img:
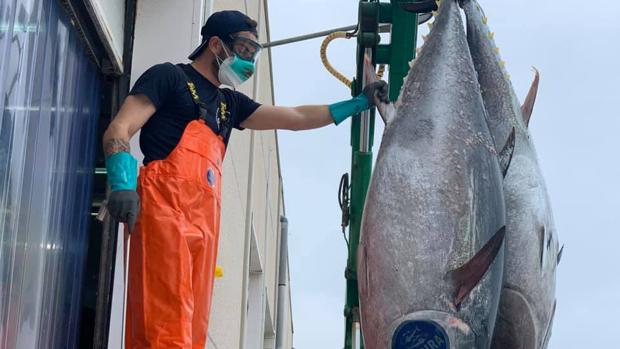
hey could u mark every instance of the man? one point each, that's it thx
(186, 121)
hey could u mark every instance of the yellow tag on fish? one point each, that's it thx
(485, 19)
(502, 64)
(491, 35)
(496, 50)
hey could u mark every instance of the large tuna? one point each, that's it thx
(430, 258)
(528, 297)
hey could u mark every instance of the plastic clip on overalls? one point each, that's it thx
(173, 254)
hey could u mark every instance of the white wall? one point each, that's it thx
(109, 18)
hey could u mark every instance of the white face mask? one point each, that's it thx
(233, 70)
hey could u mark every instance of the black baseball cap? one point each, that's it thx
(222, 24)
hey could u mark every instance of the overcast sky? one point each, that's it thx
(575, 126)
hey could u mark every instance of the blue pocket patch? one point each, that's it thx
(416, 334)
(211, 177)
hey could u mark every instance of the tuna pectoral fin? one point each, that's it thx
(467, 276)
(505, 156)
(528, 105)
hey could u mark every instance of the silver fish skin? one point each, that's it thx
(430, 259)
(528, 301)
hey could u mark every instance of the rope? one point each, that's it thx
(338, 75)
(380, 71)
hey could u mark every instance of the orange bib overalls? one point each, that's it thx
(174, 244)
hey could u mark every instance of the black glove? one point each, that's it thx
(376, 92)
(124, 206)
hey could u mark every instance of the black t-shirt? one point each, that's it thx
(166, 86)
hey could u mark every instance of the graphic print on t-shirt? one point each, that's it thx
(222, 115)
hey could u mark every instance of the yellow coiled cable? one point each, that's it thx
(338, 75)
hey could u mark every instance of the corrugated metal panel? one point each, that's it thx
(49, 96)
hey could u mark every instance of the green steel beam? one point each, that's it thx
(397, 55)
(404, 35)
(361, 163)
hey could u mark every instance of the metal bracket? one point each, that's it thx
(424, 6)
(368, 24)
(424, 17)
(349, 274)
(355, 314)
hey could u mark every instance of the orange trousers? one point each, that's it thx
(174, 244)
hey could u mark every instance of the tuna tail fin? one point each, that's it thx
(528, 105)
(559, 257)
(370, 75)
(386, 110)
(469, 274)
(505, 156)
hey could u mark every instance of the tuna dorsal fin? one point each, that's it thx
(528, 105)
(505, 156)
(559, 258)
(469, 274)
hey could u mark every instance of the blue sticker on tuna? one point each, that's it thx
(211, 177)
(417, 334)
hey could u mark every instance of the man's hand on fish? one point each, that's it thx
(376, 93)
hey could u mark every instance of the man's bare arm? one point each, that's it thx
(133, 114)
(307, 117)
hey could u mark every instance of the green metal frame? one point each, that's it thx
(397, 55)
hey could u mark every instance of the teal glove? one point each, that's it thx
(372, 94)
(342, 110)
(122, 171)
(123, 203)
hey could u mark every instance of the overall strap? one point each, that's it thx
(223, 123)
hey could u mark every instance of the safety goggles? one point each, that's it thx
(245, 48)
